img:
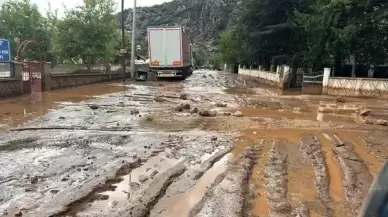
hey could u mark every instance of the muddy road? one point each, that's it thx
(213, 145)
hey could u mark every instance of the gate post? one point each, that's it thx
(325, 82)
(18, 73)
(47, 77)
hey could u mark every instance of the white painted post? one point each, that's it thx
(326, 77)
(359, 83)
(371, 73)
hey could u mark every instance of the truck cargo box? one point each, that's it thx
(168, 48)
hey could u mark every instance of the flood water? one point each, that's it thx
(17, 110)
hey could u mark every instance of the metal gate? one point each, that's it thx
(312, 82)
(33, 77)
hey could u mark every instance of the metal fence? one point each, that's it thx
(312, 82)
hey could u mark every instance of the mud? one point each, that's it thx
(181, 204)
(277, 184)
(312, 150)
(227, 195)
(15, 111)
(142, 205)
(357, 178)
(375, 144)
(71, 155)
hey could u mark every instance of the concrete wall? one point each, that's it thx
(62, 77)
(278, 78)
(365, 87)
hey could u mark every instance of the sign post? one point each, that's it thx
(5, 54)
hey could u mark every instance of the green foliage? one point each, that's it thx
(312, 33)
(228, 48)
(21, 20)
(200, 57)
(216, 61)
(88, 33)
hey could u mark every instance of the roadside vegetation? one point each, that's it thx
(86, 34)
(308, 34)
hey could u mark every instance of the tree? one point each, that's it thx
(21, 20)
(346, 30)
(228, 48)
(200, 57)
(88, 33)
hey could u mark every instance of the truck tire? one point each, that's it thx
(185, 73)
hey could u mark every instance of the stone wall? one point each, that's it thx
(64, 81)
(10, 87)
(61, 78)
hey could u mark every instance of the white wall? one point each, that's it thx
(269, 76)
(357, 86)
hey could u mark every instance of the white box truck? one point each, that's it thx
(170, 52)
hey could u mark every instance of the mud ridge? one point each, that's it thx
(142, 206)
(301, 211)
(357, 178)
(277, 183)
(74, 206)
(226, 196)
(311, 149)
(188, 179)
(210, 162)
(126, 129)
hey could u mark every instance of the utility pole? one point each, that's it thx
(133, 54)
(123, 54)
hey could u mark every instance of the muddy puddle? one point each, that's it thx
(123, 189)
(180, 205)
(296, 114)
(17, 110)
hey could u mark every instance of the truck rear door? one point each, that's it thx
(173, 47)
(165, 47)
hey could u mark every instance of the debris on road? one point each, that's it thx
(207, 113)
(186, 106)
(179, 108)
(143, 178)
(237, 114)
(139, 157)
(221, 104)
(183, 96)
(194, 110)
(148, 118)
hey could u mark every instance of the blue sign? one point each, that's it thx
(5, 51)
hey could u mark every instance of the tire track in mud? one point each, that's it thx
(312, 150)
(191, 185)
(357, 178)
(74, 207)
(258, 195)
(277, 183)
(141, 207)
(227, 196)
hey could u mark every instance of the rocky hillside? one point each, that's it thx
(203, 20)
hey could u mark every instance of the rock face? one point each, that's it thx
(203, 20)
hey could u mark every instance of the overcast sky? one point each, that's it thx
(58, 4)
